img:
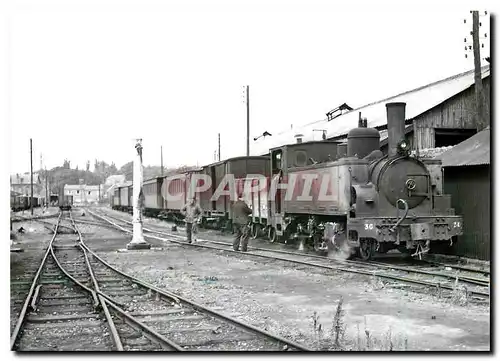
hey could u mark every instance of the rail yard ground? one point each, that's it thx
(297, 302)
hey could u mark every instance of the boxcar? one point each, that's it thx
(130, 198)
(124, 199)
(116, 198)
(153, 199)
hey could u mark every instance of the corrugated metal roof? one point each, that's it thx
(473, 151)
(431, 152)
(417, 102)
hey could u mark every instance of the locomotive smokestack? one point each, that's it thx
(395, 125)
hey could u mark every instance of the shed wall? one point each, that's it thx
(470, 187)
(458, 112)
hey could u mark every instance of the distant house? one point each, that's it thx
(84, 194)
(21, 184)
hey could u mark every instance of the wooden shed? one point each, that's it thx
(467, 180)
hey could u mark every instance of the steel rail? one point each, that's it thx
(92, 292)
(472, 280)
(467, 269)
(369, 273)
(21, 218)
(475, 281)
(109, 319)
(201, 308)
(22, 314)
(152, 335)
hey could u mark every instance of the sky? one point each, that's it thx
(84, 79)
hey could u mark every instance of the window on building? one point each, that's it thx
(449, 137)
(77, 192)
(89, 192)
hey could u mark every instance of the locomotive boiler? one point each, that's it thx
(362, 201)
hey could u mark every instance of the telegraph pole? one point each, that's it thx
(31, 164)
(478, 82)
(161, 150)
(248, 120)
(47, 196)
(219, 148)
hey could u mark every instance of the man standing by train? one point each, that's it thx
(191, 211)
(241, 211)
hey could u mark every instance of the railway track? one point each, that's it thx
(470, 285)
(55, 307)
(109, 310)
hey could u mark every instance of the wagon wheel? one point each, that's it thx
(255, 230)
(367, 249)
(317, 243)
(273, 237)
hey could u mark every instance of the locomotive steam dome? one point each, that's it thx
(362, 141)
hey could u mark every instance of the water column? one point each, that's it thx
(138, 241)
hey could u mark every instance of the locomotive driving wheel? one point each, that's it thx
(366, 249)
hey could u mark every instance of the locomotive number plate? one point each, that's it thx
(369, 226)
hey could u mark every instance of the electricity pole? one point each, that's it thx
(478, 82)
(219, 148)
(31, 165)
(47, 196)
(248, 120)
(161, 150)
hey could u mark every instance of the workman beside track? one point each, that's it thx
(190, 211)
(241, 211)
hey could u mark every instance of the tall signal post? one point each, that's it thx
(137, 241)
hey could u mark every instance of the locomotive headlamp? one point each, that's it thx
(403, 148)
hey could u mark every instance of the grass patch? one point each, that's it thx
(337, 340)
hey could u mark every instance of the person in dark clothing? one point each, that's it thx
(241, 211)
(191, 211)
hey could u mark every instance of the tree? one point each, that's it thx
(67, 164)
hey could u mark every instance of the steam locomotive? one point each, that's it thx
(337, 197)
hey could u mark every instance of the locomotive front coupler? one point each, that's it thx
(422, 249)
